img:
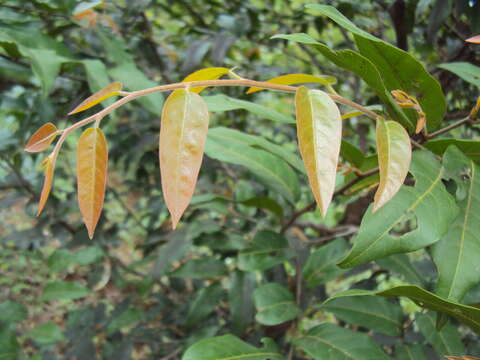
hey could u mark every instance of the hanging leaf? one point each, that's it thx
(474, 39)
(108, 91)
(291, 79)
(42, 138)
(92, 163)
(212, 73)
(319, 132)
(48, 165)
(394, 155)
(184, 127)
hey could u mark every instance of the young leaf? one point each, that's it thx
(474, 39)
(108, 91)
(394, 155)
(291, 79)
(92, 163)
(212, 73)
(42, 138)
(319, 132)
(184, 127)
(49, 166)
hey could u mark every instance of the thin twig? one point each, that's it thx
(448, 128)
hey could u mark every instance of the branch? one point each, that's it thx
(449, 127)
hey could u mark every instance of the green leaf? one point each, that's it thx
(126, 318)
(428, 202)
(203, 268)
(272, 171)
(275, 304)
(88, 255)
(9, 346)
(352, 154)
(220, 103)
(399, 69)
(240, 292)
(401, 265)
(371, 312)
(456, 254)
(229, 347)
(233, 136)
(321, 263)
(332, 342)
(204, 303)
(446, 341)
(464, 70)
(64, 290)
(267, 250)
(46, 333)
(60, 260)
(471, 148)
(12, 312)
(172, 251)
(96, 72)
(409, 352)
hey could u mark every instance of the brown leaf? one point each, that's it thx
(48, 165)
(42, 138)
(184, 127)
(474, 39)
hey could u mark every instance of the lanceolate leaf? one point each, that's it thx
(428, 202)
(456, 254)
(92, 162)
(291, 79)
(49, 166)
(212, 73)
(319, 132)
(474, 39)
(183, 133)
(42, 138)
(394, 155)
(108, 91)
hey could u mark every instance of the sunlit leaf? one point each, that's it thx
(394, 155)
(319, 132)
(291, 79)
(184, 127)
(474, 39)
(92, 163)
(42, 138)
(48, 165)
(212, 73)
(108, 91)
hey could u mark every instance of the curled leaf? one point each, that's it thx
(92, 163)
(108, 91)
(48, 165)
(183, 132)
(407, 101)
(42, 138)
(394, 155)
(319, 132)
(212, 73)
(474, 39)
(291, 79)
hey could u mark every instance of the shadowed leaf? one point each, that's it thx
(275, 304)
(291, 79)
(212, 73)
(42, 138)
(108, 91)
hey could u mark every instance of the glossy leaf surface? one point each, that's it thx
(48, 166)
(275, 304)
(292, 79)
(319, 132)
(428, 202)
(103, 94)
(183, 131)
(42, 138)
(92, 163)
(212, 73)
(394, 155)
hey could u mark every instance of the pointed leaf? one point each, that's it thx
(464, 70)
(428, 202)
(394, 155)
(474, 39)
(319, 132)
(42, 138)
(212, 73)
(292, 79)
(92, 163)
(49, 166)
(108, 91)
(183, 132)
(275, 304)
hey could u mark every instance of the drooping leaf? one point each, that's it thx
(456, 254)
(42, 138)
(394, 155)
(332, 342)
(474, 39)
(183, 132)
(230, 347)
(319, 132)
(470, 148)
(203, 304)
(409, 352)
(49, 166)
(427, 205)
(103, 94)
(212, 73)
(292, 79)
(464, 70)
(64, 290)
(92, 164)
(240, 300)
(275, 304)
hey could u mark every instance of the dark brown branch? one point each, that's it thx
(448, 128)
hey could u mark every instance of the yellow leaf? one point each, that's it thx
(108, 91)
(212, 73)
(394, 155)
(466, 357)
(319, 132)
(473, 114)
(92, 164)
(184, 127)
(291, 79)
(48, 165)
(42, 138)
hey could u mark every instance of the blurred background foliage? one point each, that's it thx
(139, 290)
